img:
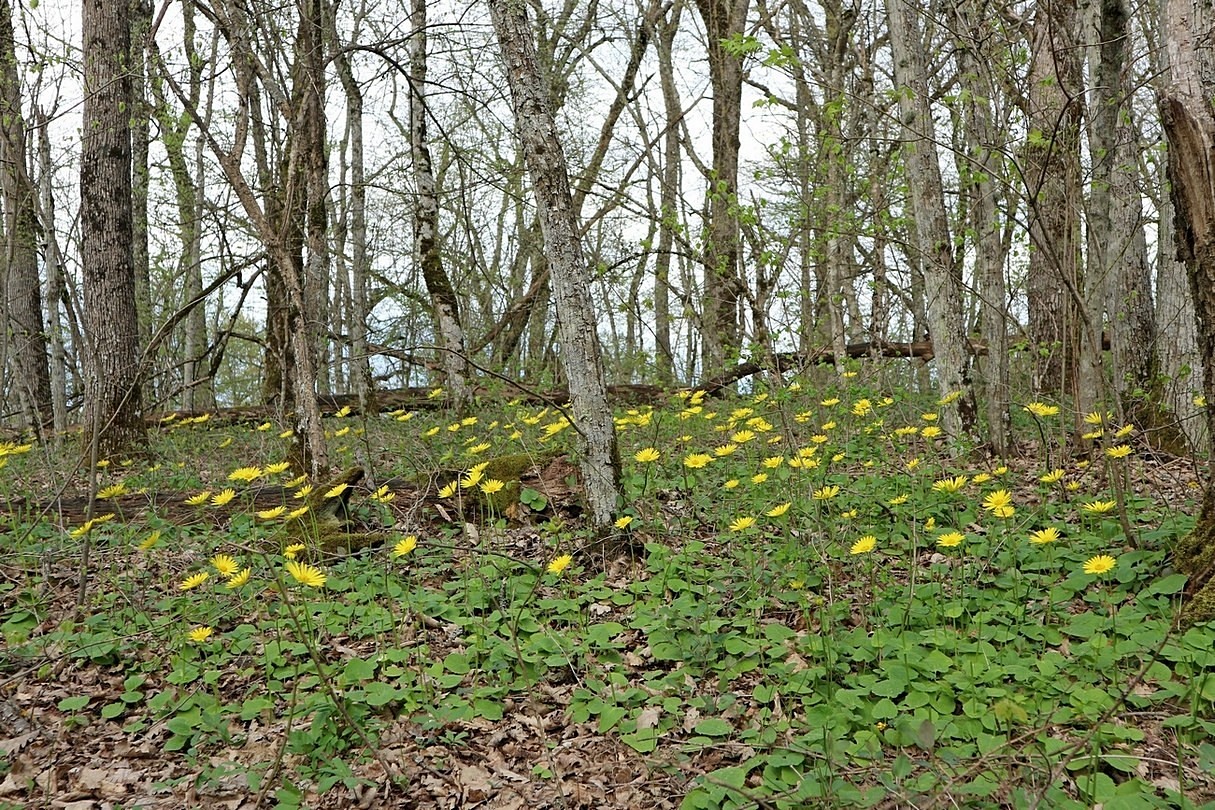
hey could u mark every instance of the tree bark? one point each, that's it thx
(942, 276)
(580, 352)
(1187, 108)
(21, 290)
(113, 415)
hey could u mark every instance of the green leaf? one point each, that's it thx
(112, 710)
(358, 669)
(73, 704)
(714, 727)
(1171, 584)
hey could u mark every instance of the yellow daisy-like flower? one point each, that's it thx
(1199, 401)
(1124, 431)
(383, 495)
(759, 478)
(981, 478)
(480, 447)
(149, 541)
(949, 485)
(898, 500)
(337, 490)
(741, 523)
(930, 524)
(830, 402)
(223, 497)
(435, 393)
(200, 634)
(1072, 486)
(929, 417)
(1095, 418)
(245, 474)
(224, 564)
(646, 455)
(271, 514)
(199, 499)
(344, 411)
(434, 430)
(193, 581)
(1052, 477)
(828, 426)
(1043, 536)
(1101, 564)
(112, 491)
(930, 432)
(731, 484)
(101, 465)
(471, 479)
(912, 464)
(1119, 451)
(303, 492)
(999, 503)
(1099, 507)
(742, 436)
(449, 489)
(696, 461)
(724, 449)
(491, 486)
(826, 493)
(297, 513)
(779, 509)
(849, 515)
(264, 426)
(950, 539)
(239, 578)
(299, 480)
(225, 443)
(863, 546)
(305, 574)
(277, 467)
(405, 545)
(559, 564)
(623, 521)
(295, 548)
(1041, 409)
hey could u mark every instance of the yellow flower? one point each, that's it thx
(759, 478)
(897, 500)
(1099, 507)
(949, 484)
(1199, 401)
(297, 513)
(849, 515)
(491, 486)
(264, 426)
(1092, 435)
(194, 580)
(1124, 431)
(200, 634)
(303, 492)
(435, 393)
(861, 407)
(559, 564)
(999, 503)
(731, 484)
(697, 460)
(277, 467)
(239, 578)
(471, 479)
(646, 455)
(950, 539)
(724, 449)
(341, 432)
(149, 541)
(222, 498)
(224, 564)
(742, 436)
(929, 417)
(1095, 418)
(1052, 477)
(779, 509)
(1041, 409)
(101, 465)
(912, 464)
(863, 546)
(112, 491)
(271, 514)
(335, 491)
(1043, 536)
(741, 523)
(1072, 486)
(299, 480)
(1001, 470)
(623, 521)
(930, 432)
(245, 474)
(952, 396)
(431, 432)
(480, 447)
(450, 489)
(305, 574)
(818, 438)
(930, 524)
(1101, 564)
(405, 545)
(830, 403)
(343, 412)
(295, 548)
(1118, 451)
(981, 478)
(838, 457)
(199, 499)
(826, 493)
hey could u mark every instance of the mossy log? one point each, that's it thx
(1195, 557)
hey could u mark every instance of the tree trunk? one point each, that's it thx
(721, 335)
(942, 276)
(113, 413)
(664, 356)
(1187, 107)
(21, 290)
(580, 353)
(54, 275)
(444, 303)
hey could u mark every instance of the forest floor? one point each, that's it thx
(817, 603)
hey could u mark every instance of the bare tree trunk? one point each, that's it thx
(580, 353)
(113, 413)
(444, 303)
(669, 192)
(141, 23)
(21, 290)
(942, 276)
(721, 335)
(54, 276)
(1187, 107)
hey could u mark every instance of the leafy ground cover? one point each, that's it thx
(822, 605)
